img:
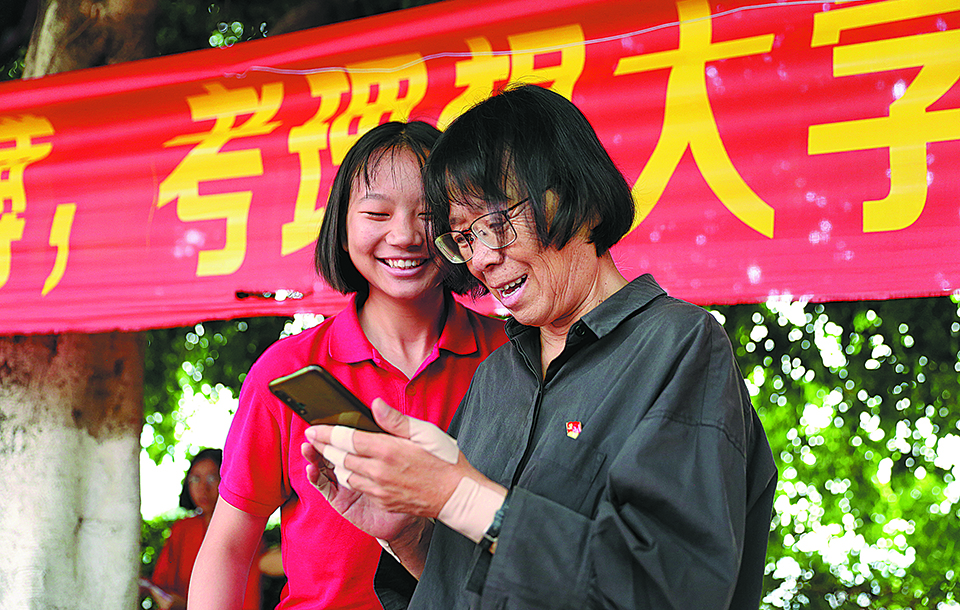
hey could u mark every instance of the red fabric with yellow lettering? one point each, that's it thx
(791, 148)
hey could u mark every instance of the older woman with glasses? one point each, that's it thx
(609, 455)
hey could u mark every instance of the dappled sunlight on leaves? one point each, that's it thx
(859, 402)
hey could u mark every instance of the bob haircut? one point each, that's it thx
(214, 455)
(382, 142)
(527, 140)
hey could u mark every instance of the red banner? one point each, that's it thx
(793, 148)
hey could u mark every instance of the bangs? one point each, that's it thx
(367, 169)
(476, 182)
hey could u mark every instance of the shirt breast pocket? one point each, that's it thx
(566, 471)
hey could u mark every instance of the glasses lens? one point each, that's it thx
(454, 247)
(211, 479)
(494, 230)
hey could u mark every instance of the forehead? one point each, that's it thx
(464, 213)
(204, 465)
(391, 167)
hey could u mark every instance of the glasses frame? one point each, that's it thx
(458, 259)
(212, 479)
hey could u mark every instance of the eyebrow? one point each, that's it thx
(374, 195)
(455, 220)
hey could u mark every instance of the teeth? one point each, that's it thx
(512, 286)
(403, 263)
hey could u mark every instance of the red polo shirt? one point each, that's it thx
(328, 562)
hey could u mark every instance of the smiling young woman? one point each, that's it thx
(402, 337)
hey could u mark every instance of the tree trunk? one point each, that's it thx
(70, 418)
(75, 34)
(71, 406)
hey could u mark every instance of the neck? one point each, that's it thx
(404, 331)
(206, 515)
(607, 281)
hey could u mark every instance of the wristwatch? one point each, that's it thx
(489, 541)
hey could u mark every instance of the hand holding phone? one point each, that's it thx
(317, 397)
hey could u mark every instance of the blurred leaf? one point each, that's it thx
(205, 358)
(856, 398)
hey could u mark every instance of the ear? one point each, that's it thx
(551, 204)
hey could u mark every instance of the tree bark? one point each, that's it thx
(71, 405)
(70, 417)
(75, 34)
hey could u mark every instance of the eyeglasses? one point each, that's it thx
(494, 230)
(212, 479)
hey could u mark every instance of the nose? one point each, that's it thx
(406, 231)
(483, 257)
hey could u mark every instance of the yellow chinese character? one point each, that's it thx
(566, 43)
(13, 161)
(908, 126)
(60, 239)
(688, 119)
(207, 161)
(478, 74)
(381, 90)
(307, 141)
(529, 61)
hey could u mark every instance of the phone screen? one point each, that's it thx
(316, 396)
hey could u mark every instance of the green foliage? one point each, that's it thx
(153, 535)
(185, 25)
(204, 359)
(188, 25)
(13, 68)
(858, 401)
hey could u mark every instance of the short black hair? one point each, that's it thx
(530, 140)
(383, 141)
(214, 455)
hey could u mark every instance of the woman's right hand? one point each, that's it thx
(355, 506)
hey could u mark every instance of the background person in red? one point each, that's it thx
(175, 563)
(402, 336)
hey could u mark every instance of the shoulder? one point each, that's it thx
(290, 353)
(678, 315)
(186, 527)
(656, 334)
(671, 322)
(489, 328)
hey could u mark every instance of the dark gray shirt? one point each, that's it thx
(663, 499)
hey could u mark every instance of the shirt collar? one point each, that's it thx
(608, 315)
(349, 344)
(459, 335)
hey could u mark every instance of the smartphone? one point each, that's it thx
(316, 396)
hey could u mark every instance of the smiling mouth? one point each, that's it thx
(403, 263)
(508, 289)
